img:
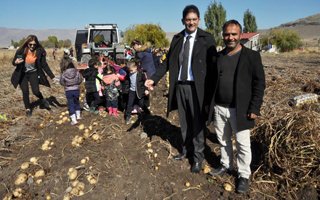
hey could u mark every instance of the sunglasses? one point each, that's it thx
(32, 44)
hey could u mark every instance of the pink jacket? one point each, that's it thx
(108, 79)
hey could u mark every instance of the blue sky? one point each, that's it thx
(74, 14)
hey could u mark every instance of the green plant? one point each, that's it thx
(147, 33)
(285, 40)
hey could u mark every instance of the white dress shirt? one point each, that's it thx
(191, 40)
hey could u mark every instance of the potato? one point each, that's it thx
(65, 119)
(81, 193)
(155, 155)
(84, 160)
(187, 184)
(39, 173)
(206, 169)
(72, 173)
(34, 160)
(21, 179)
(96, 137)
(24, 165)
(150, 150)
(74, 183)
(75, 191)
(227, 187)
(66, 197)
(86, 135)
(80, 186)
(17, 192)
(91, 179)
(81, 126)
(39, 181)
(149, 145)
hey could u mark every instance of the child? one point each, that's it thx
(71, 79)
(137, 90)
(112, 86)
(90, 75)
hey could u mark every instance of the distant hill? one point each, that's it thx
(8, 34)
(311, 20)
(308, 28)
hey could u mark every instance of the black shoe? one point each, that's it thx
(219, 171)
(45, 104)
(196, 167)
(180, 156)
(28, 112)
(243, 185)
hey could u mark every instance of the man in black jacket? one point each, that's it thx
(191, 55)
(238, 96)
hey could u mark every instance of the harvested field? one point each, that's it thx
(107, 159)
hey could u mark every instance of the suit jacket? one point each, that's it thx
(249, 87)
(203, 59)
(40, 64)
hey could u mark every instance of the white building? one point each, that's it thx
(251, 41)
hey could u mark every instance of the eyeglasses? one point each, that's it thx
(32, 44)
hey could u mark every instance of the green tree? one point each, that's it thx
(249, 22)
(285, 40)
(52, 41)
(147, 33)
(14, 44)
(214, 18)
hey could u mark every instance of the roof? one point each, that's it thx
(248, 35)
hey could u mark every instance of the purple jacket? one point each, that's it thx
(71, 79)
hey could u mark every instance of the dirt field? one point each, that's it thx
(118, 161)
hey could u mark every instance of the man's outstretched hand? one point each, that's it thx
(149, 84)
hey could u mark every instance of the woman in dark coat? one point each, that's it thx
(31, 66)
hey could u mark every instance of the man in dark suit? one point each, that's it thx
(189, 61)
(238, 95)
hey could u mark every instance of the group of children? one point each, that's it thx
(105, 85)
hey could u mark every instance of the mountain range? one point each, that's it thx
(308, 28)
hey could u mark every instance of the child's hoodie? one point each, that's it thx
(71, 79)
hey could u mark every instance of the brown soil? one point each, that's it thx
(125, 164)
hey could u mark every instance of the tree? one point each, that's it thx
(285, 40)
(147, 33)
(52, 41)
(249, 22)
(214, 18)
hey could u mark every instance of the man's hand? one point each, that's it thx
(149, 84)
(252, 116)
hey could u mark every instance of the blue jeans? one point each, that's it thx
(73, 101)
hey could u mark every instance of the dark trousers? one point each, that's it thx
(112, 103)
(132, 98)
(93, 99)
(191, 121)
(33, 79)
(73, 101)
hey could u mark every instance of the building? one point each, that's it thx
(250, 40)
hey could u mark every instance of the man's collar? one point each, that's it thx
(193, 35)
